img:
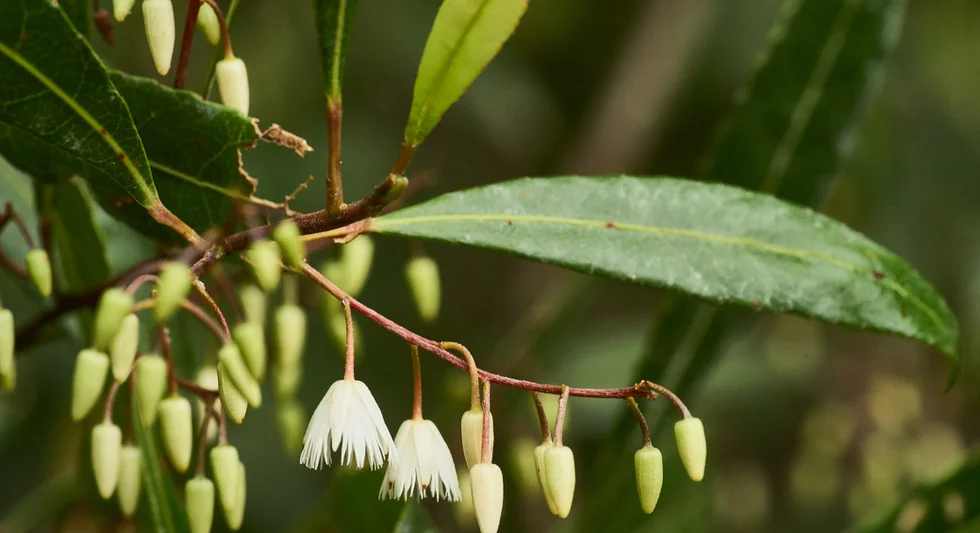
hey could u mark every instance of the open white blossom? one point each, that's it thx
(347, 419)
(425, 464)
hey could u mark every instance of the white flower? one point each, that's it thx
(425, 464)
(348, 419)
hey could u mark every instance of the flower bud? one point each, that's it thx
(224, 469)
(8, 368)
(291, 418)
(91, 367)
(290, 243)
(355, 262)
(199, 496)
(290, 327)
(177, 431)
(237, 514)
(113, 306)
(263, 256)
(233, 83)
(175, 283)
(691, 446)
(559, 465)
(287, 380)
(151, 385)
(487, 483)
(122, 351)
(250, 338)
(106, 442)
(158, 19)
(649, 476)
(128, 491)
(542, 472)
(253, 303)
(207, 377)
(207, 20)
(231, 359)
(121, 9)
(234, 403)
(471, 430)
(39, 269)
(422, 275)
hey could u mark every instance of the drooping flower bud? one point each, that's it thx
(291, 418)
(234, 403)
(158, 20)
(151, 385)
(175, 283)
(356, 258)
(128, 491)
(177, 431)
(224, 469)
(233, 83)
(691, 446)
(237, 514)
(122, 351)
(253, 303)
(199, 496)
(8, 368)
(39, 269)
(290, 328)
(121, 9)
(106, 444)
(290, 243)
(113, 306)
(559, 464)
(542, 473)
(422, 275)
(487, 483)
(649, 463)
(231, 359)
(207, 20)
(250, 338)
(207, 377)
(263, 256)
(91, 367)
(287, 380)
(471, 430)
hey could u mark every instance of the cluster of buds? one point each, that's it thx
(38, 269)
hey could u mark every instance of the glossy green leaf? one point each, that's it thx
(79, 13)
(465, 36)
(79, 242)
(160, 499)
(334, 20)
(415, 519)
(717, 242)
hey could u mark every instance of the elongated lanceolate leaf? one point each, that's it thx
(714, 241)
(465, 36)
(334, 19)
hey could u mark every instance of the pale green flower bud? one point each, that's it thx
(106, 444)
(542, 473)
(199, 496)
(207, 377)
(288, 379)
(177, 431)
(175, 282)
(121, 9)
(151, 385)
(559, 464)
(234, 403)
(356, 258)
(91, 368)
(237, 514)
(158, 20)
(263, 256)
(422, 275)
(290, 327)
(113, 306)
(649, 476)
(487, 484)
(231, 359)
(253, 303)
(471, 430)
(8, 367)
(207, 20)
(691, 446)
(122, 351)
(233, 83)
(291, 418)
(224, 469)
(128, 491)
(250, 338)
(290, 243)
(39, 269)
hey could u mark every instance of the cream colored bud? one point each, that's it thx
(113, 306)
(542, 473)
(177, 431)
(122, 351)
(253, 303)
(290, 243)
(231, 359)
(91, 368)
(422, 275)
(39, 270)
(121, 9)
(175, 282)
(8, 367)
(691, 446)
(356, 258)
(290, 328)
(288, 379)
(237, 514)
(232, 400)
(106, 444)
(158, 20)
(649, 465)
(487, 484)
(250, 338)
(233, 83)
(151, 385)
(224, 469)
(199, 500)
(471, 430)
(263, 256)
(559, 464)
(291, 418)
(207, 20)
(128, 491)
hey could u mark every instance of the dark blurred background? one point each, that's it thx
(810, 427)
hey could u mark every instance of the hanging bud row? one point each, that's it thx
(122, 351)
(8, 368)
(158, 20)
(230, 358)
(250, 339)
(151, 385)
(114, 304)
(39, 270)
(106, 447)
(232, 400)
(177, 431)
(91, 369)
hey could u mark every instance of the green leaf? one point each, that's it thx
(79, 243)
(415, 519)
(334, 20)
(79, 13)
(161, 501)
(465, 36)
(709, 240)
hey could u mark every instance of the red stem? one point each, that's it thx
(164, 335)
(193, 8)
(417, 390)
(560, 417)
